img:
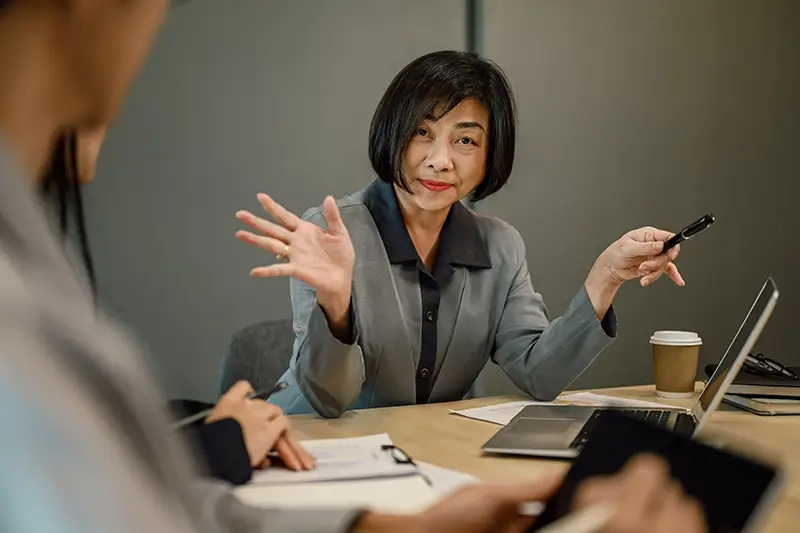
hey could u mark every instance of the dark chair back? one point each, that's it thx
(259, 353)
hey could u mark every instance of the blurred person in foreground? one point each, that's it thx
(236, 437)
(86, 443)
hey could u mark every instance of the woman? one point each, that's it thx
(401, 294)
(86, 445)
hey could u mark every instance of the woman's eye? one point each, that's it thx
(465, 140)
(422, 132)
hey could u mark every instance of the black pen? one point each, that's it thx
(689, 231)
(772, 366)
(262, 395)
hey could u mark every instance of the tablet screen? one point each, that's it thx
(730, 488)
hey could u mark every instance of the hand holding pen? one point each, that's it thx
(264, 426)
(261, 395)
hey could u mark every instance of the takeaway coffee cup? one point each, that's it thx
(675, 355)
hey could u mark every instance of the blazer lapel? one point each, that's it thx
(467, 336)
(377, 309)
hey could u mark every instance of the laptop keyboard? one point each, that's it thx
(657, 417)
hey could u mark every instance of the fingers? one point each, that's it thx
(657, 264)
(649, 233)
(633, 248)
(275, 430)
(308, 461)
(273, 246)
(290, 455)
(265, 410)
(689, 517)
(240, 390)
(672, 493)
(521, 525)
(638, 474)
(264, 226)
(230, 402)
(274, 271)
(649, 242)
(651, 276)
(674, 252)
(678, 512)
(675, 275)
(642, 479)
(511, 495)
(333, 217)
(288, 219)
(645, 467)
(292, 452)
(645, 498)
(540, 489)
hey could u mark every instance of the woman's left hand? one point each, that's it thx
(637, 254)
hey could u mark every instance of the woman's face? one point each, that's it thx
(446, 159)
(104, 44)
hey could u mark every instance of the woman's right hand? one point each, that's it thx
(264, 427)
(323, 259)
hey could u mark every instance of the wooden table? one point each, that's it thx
(430, 433)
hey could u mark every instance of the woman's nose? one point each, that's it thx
(439, 158)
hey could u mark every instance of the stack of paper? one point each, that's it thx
(353, 473)
(342, 460)
(503, 413)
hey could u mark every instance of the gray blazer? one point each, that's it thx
(422, 336)
(86, 444)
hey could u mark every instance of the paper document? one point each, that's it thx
(503, 413)
(497, 414)
(602, 400)
(444, 480)
(342, 459)
(409, 494)
(347, 475)
(333, 449)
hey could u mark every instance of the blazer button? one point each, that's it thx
(429, 316)
(424, 373)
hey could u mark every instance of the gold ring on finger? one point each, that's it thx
(284, 254)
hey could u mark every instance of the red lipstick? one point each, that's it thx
(435, 186)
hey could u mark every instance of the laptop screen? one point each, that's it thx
(742, 344)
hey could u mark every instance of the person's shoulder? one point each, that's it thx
(346, 204)
(16, 299)
(503, 241)
(23, 331)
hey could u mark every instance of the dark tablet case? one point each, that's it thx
(730, 487)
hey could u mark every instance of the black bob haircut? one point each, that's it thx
(431, 86)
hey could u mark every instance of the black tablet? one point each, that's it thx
(735, 492)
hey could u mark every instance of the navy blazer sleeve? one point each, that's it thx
(220, 444)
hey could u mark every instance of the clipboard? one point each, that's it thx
(361, 458)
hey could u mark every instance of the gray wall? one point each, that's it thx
(655, 112)
(632, 112)
(238, 98)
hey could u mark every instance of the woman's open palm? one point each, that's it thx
(321, 258)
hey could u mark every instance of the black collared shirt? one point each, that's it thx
(460, 244)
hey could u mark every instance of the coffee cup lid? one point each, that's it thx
(676, 338)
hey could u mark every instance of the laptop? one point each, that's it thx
(561, 430)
